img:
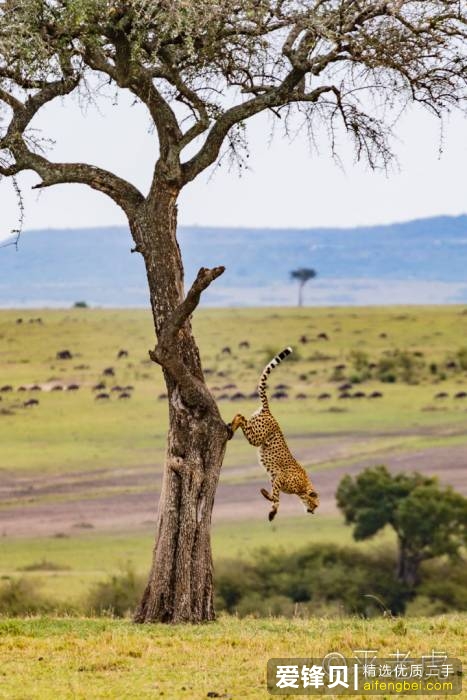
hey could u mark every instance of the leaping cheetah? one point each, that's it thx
(263, 431)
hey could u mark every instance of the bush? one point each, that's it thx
(80, 305)
(44, 565)
(400, 365)
(21, 596)
(462, 358)
(116, 596)
(319, 577)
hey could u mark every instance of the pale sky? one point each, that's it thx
(287, 185)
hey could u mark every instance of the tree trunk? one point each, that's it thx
(408, 566)
(300, 293)
(180, 585)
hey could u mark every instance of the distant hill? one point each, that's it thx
(423, 261)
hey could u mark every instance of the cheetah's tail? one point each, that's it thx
(266, 371)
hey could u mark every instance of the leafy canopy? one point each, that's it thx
(202, 68)
(430, 520)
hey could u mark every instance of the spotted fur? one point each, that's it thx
(263, 431)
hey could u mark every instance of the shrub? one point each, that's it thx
(44, 565)
(317, 578)
(117, 596)
(462, 358)
(21, 596)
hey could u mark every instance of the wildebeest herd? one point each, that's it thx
(101, 391)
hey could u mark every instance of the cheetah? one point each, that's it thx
(263, 431)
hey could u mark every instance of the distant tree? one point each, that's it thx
(303, 274)
(201, 69)
(429, 521)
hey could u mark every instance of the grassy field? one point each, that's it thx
(81, 659)
(70, 431)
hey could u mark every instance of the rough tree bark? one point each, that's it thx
(180, 585)
(408, 564)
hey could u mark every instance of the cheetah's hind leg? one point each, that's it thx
(274, 499)
(266, 494)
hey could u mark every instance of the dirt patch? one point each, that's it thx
(24, 514)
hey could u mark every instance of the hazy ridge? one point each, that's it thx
(423, 261)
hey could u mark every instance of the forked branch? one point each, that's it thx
(166, 353)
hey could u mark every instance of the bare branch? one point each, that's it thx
(194, 391)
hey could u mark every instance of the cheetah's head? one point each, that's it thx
(310, 500)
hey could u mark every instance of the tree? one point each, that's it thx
(303, 274)
(201, 69)
(429, 521)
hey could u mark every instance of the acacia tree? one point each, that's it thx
(303, 275)
(202, 68)
(429, 521)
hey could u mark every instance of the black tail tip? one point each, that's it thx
(285, 352)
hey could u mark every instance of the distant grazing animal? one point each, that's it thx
(244, 344)
(99, 387)
(451, 365)
(323, 397)
(301, 396)
(345, 395)
(31, 402)
(161, 397)
(72, 387)
(21, 388)
(101, 397)
(6, 388)
(226, 351)
(109, 372)
(303, 339)
(263, 431)
(280, 395)
(375, 395)
(345, 387)
(57, 387)
(461, 395)
(122, 353)
(117, 388)
(442, 395)
(237, 396)
(340, 368)
(64, 355)
(35, 387)
(323, 336)
(359, 395)
(130, 387)
(124, 395)
(19, 320)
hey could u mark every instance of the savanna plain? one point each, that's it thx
(83, 423)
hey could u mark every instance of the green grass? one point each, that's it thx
(72, 432)
(90, 557)
(46, 658)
